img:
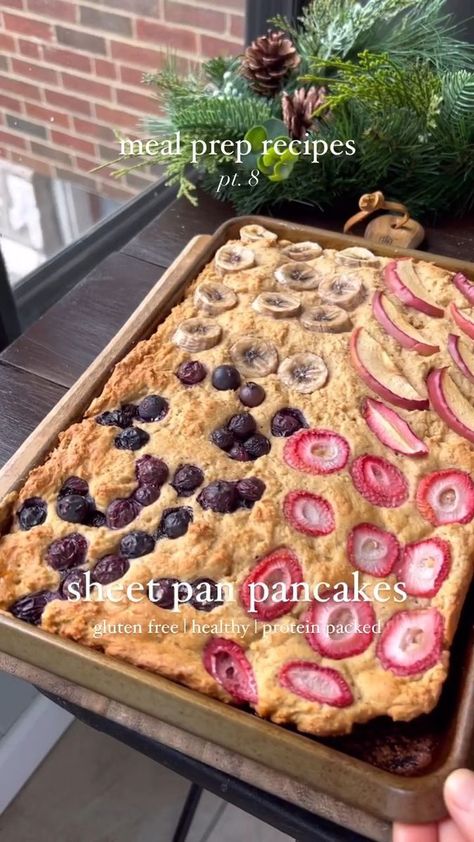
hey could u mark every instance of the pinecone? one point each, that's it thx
(298, 110)
(268, 61)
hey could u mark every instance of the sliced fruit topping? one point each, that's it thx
(277, 305)
(133, 438)
(234, 258)
(327, 318)
(346, 291)
(315, 683)
(121, 512)
(463, 318)
(380, 482)
(308, 513)
(392, 430)
(266, 592)
(304, 373)
(214, 298)
(379, 372)
(411, 641)
(197, 335)
(465, 286)
(336, 629)
(450, 404)
(287, 421)
(226, 661)
(174, 523)
(446, 497)
(316, 452)
(424, 566)
(67, 552)
(30, 608)
(462, 355)
(110, 568)
(251, 394)
(219, 496)
(393, 321)
(191, 372)
(32, 512)
(300, 276)
(225, 378)
(357, 256)
(302, 251)
(402, 279)
(256, 233)
(254, 357)
(372, 550)
(186, 479)
(153, 408)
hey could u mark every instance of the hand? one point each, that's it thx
(459, 799)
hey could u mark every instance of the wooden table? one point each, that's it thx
(37, 369)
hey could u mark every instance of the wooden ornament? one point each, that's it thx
(391, 229)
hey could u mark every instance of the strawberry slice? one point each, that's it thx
(380, 482)
(372, 550)
(315, 683)
(340, 629)
(424, 566)
(316, 452)
(411, 641)
(278, 571)
(446, 497)
(308, 513)
(392, 430)
(225, 660)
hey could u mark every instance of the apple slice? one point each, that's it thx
(402, 279)
(462, 355)
(450, 403)
(463, 318)
(465, 286)
(397, 326)
(392, 430)
(379, 372)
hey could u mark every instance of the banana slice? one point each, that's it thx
(253, 233)
(304, 372)
(234, 258)
(254, 357)
(298, 276)
(278, 305)
(213, 298)
(327, 318)
(197, 335)
(346, 291)
(356, 256)
(302, 251)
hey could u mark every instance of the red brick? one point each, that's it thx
(114, 117)
(7, 43)
(237, 27)
(56, 9)
(12, 139)
(34, 71)
(86, 85)
(32, 163)
(29, 48)
(140, 102)
(73, 142)
(216, 46)
(191, 16)
(47, 115)
(149, 59)
(67, 58)
(18, 86)
(12, 4)
(85, 164)
(68, 102)
(131, 76)
(10, 104)
(86, 127)
(104, 68)
(28, 26)
(57, 156)
(180, 39)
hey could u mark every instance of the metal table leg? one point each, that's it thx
(187, 813)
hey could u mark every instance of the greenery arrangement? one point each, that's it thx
(392, 76)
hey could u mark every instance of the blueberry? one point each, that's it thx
(205, 598)
(32, 513)
(162, 592)
(257, 445)
(30, 608)
(191, 372)
(74, 583)
(174, 522)
(150, 470)
(225, 377)
(152, 408)
(73, 508)
(121, 512)
(242, 425)
(250, 490)
(96, 519)
(287, 421)
(238, 452)
(122, 417)
(67, 552)
(110, 568)
(252, 394)
(222, 438)
(219, 496)
(147, 494)
(133, 438)
(74, 485)
(186, 479)
(136, 544)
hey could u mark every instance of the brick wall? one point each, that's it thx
(70, 72)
